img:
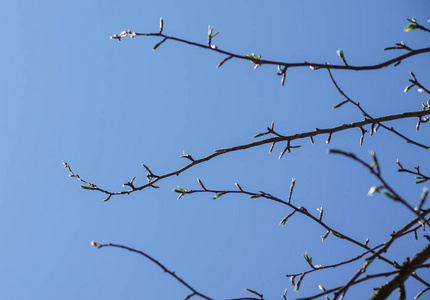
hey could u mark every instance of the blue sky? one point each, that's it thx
(69, 93)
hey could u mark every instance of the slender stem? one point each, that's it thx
(272, 140)
(293, 65)
(171, 273)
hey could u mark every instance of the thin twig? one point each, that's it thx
(285, 64)
(171, 273)
(366, 115)
(276, 139)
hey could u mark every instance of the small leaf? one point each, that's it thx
(420, 181)
(412, 75)
(308, 259)
(297, 286)
(336, 234)
(158, 44)
(86, 187)
(223, 61)
(256, 196)
(292, 280)
(389, 195)
(334, 151)
(408, 88)
(220, 151)
(340, 104)
(271, 147)
(252, 291)
(375, 160)
(340, 53)
(259, 134)
(147, 169)
(284, 220)
(411, 27)
(215, 34)
(372, 190)
(390, 48)
(218, 195)
(181, 190)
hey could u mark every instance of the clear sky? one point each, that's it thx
(69, 93)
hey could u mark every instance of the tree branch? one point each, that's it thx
(152, 178)
(171, 273)
(260, 61)
(405, 271)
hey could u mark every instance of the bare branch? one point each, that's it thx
(276, 139)
(405, 271)
(171, 273)
(260, 61)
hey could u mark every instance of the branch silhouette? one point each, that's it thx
(258, 61)
(171, 273)
(370, 254)
(152, 178)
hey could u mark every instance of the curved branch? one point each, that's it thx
(152, 178)
(366, 115)
(314, 66)
(171, 273)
